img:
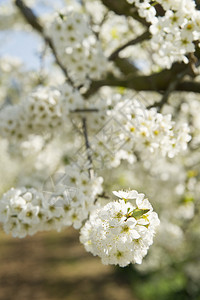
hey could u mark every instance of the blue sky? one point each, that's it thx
(22, 44)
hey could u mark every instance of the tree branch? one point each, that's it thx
(122, 7)
(125, 66)
(31, 19)
(29, 16)
(87, 145)
(85, 110)
(188, 86)
(172, 86)
(146, 35)
(155, 82)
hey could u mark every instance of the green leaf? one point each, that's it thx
(137, 213)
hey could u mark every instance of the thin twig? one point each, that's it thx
(87, 110)
(146, 35)
(103, 195)
(171, 88)
(105, 17)
(88, 149)
(31, 18)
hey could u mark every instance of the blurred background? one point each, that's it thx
(55, 266)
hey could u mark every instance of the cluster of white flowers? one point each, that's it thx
(121, 231)
(150, 131)
(71, 99)
(77, 47)
(185, 5)
(41, 110)
(129, 128)
(22, 212)
(145, 9)
(27, 211)
(81, 179)
(123, 127)
(118, 127)
(174, 33)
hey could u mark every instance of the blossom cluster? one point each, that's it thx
(122, 231)
(43, 111)
(154, 132)
(175, 32)
(131, 128)
(26, 211)
(33, 115)
(77, 47)
(119, 127)
(22, 212)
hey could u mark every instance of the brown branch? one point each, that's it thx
(125, 66)
(31, 19)
(87, 110)
(172, 86)
(122, 7)
(189, 86)
(145, 36)
(155, 82)
(197, 4)
(29, 16)
(103, 195)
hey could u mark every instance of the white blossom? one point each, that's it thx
(77, 47)
(121, 231)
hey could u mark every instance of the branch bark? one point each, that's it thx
(159, 82)
(171, 88)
